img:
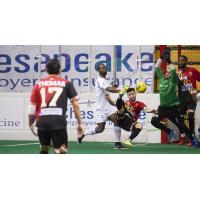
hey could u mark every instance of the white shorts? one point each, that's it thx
(101, 115)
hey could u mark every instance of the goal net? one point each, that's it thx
(193, 54)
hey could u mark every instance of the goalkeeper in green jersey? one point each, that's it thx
(169, 101)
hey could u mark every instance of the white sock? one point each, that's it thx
(117, 131)
(91, 132)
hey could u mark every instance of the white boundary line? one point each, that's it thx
(165, 146)
(134, 145)
(15, 145)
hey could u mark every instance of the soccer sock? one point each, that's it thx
(92, 131)
(117, 131)
(119, 103)
(191, 121)
(134, 133)
(184, 130)
(179, 122)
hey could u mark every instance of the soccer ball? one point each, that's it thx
(141, 87)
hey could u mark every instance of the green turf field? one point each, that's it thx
(32, 147)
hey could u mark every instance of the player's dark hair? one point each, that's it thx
(186, 58)
(130, 90)
(53, 66)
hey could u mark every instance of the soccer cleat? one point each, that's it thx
(171, 135)
(182, 141)
(123, 90)
(118, 145)
(79, 139)
(195, 143)
(189, 144)
(127, 143)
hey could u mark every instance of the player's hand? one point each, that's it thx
(32, 129)
(193, 92)
(79, 130)
(153, 111)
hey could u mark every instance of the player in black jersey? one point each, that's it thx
(48, 105)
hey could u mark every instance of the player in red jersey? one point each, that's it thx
(48, 105)
(128, 114)
(187, 89)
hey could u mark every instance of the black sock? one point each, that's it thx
(116, 143)
(191, 121)
(134, 133)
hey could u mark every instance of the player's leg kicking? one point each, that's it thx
(101, 118)
(125, 121)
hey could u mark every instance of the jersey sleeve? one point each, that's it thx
(174, 75)
(102, 83)
(71, 91)
(142, 105)
(159, 73)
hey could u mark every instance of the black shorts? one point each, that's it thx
(170, 112)
(184, 106)
(57, 137)
(126, 123)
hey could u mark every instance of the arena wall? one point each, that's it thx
(14, 120)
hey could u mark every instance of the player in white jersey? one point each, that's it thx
(105, 107)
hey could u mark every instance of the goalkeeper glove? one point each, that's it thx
(166, 55)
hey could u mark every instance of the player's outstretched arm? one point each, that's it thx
(166, 56)
(112, 89)
(193, 92)
(158, 69)
(77, 112)
(158, 63)
(112, 102)
(31, 117)
(148, 110)
(197, 97)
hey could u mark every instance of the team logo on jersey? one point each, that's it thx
(183, 78)
(180, 75)
(129, 108)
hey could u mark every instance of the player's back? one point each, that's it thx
(51, 95)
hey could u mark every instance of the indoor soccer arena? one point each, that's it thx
(22, 67)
